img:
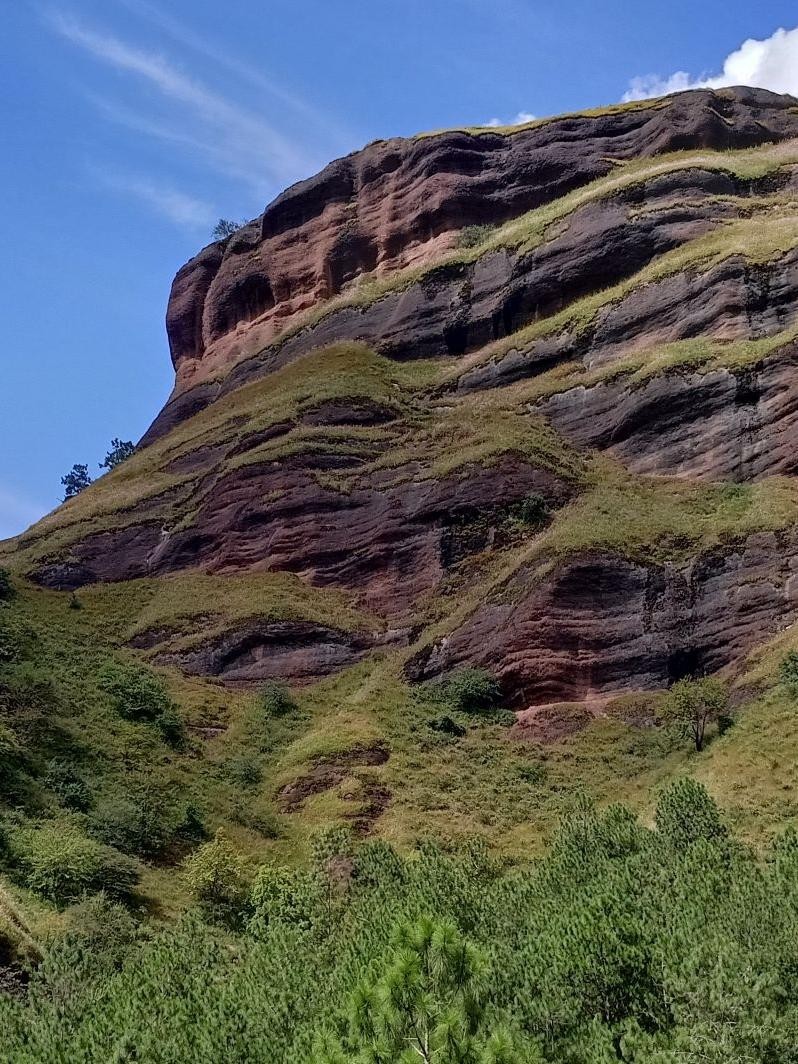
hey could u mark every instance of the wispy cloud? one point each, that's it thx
(520, 119)
(771, 63)
(245, 72)
(17, 512)
(264, 157)
(177, 207)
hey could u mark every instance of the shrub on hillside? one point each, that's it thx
(290, 896)
(139, 695)
(72, 791)
(7, 591)
(57, 860)
(214, 875)
(687, 814)
(145, 822)
(10, 642)
(275, 700)
(244, 771)
(471, 236)
(788, 671)
(470, 690)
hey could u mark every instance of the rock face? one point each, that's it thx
(396, 202)
(369, 400)
(602, 623)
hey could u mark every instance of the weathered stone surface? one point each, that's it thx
(279, 650)
(730, 301)
(713, 424)
(383, 540)
(602, 623)
(397, 202)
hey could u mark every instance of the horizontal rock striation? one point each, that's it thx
(386, 539)
(278, 650)
(367, 403)
(601, 623)
(388, 205)
(710, 424)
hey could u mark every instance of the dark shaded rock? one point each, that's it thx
(738, 424)
(63, 576)
(601, 624)
(286, 650)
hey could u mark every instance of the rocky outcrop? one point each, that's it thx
(387, 539)
(710, 424)
(601, 623)
(421, 473)
(398, 203)
(459, 307)
(298, 651)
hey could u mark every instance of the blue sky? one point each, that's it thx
(130, 126)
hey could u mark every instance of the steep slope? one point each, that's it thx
(521, 399)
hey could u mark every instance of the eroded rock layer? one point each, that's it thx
(560, 446)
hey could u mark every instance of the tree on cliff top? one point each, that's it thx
(120, 450)
(224, 228)
(76, 480)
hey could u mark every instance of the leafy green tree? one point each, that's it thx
(119, 451)
(214, 875)
(76, 480)
(429, 1004)
(692, 704)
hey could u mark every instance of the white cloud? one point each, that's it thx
(188, 38)
(17, 512)
(219, 125)
(176, 206)
(768, 64)
(520, 119)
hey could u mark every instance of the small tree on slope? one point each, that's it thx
(428, 1006)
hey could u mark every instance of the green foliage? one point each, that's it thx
(275, 700)
(138, 694)
(666, 946)
(287, 896)
(428, 1004)
(686, 814)
(76, 480)
(470, 690)
(788, 671)
(68, 785)
(224, 228)
(10, 643)
(145, 821)
(244, 771)
(532, 510)
(7, 590)
(214, 875)
(692, 704)
(119, 451)
(471, 236)
(58, 861)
